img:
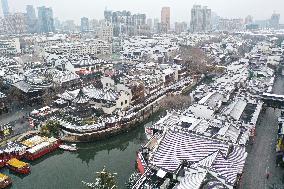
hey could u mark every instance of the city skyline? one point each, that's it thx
(179, 11)
(141, 94)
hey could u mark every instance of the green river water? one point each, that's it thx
(67, 170)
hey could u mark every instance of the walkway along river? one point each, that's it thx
(65, 170)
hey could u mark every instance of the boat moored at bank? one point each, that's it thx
(70, 148)
(5, 181)
(18, 166)
(46, 145)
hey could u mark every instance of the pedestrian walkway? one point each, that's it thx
(261, 159)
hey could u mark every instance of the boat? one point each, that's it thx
(5, 181)
(3, 162)
(3, 159)
(72, 147)
(18, 166)
(39, 150)
(12, 150)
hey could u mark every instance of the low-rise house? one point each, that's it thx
(94, 47)
(10, 46)
(108, 100)
(3, 103)
(273, 60)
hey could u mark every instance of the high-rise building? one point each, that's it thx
(57, 24)
(5, 7)
(166, 19)
(45, 19)
(248, 20)
(15, 23)
(231, 24)
(31, 19)
(94, 25)
(69, 26)
(2, 26)
(124, 23)
(180, 27)
(139, 19)
(30, 12)
(150, 23)
(200, 19)
(84, 24)
(263, 24)
(214, 20)
(106, 32)
(274, 21)
(156, 25)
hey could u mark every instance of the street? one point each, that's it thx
(261, 155)
(261, 158)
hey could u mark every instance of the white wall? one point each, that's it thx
(122, 87)
(123, 101)
(16, 44)
(107, 82)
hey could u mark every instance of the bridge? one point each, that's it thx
(273, 100)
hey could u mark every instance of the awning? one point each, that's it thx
(161, 173)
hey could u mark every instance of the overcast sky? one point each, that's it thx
(180, 9)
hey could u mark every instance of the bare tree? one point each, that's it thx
(47, 96)
(176, 102)
(195, 59)
(15, 94)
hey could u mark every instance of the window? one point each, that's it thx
(125, 101)
(121, 103)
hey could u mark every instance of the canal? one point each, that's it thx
(67, 170)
